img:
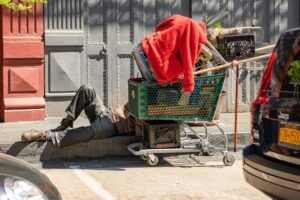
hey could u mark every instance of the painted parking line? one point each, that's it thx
(91, 183)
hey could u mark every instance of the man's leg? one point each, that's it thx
(84, 96)
(84, 99)
(87, 100)
(70, 137)
(101, 128)
(104, 127)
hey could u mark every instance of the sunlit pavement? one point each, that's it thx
(177, 177)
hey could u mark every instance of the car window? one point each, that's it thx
(286, 69)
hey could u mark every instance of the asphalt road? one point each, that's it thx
(129, 178)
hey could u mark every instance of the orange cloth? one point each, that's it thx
(173, 48)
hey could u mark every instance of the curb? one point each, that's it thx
(35, 152)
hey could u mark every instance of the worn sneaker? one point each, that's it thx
(33, 135)
(65, 124)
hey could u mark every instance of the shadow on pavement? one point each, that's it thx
(122, 163)
(41, 151)
(18, 147)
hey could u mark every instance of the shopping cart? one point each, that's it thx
(151, 101)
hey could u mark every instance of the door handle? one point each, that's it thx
(103, 51)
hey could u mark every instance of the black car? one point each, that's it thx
(272, 162)
(20, 181)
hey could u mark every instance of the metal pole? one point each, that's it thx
(265, 48)
(202, 71)
(236, 108)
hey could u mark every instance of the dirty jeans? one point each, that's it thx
(101, 125)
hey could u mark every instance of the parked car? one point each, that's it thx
(19, 180)
(272, 162)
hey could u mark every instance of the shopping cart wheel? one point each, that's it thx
(152, 160)
(144, 157)
(209, 152)
(228, 159)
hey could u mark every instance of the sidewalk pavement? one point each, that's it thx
(10, 134)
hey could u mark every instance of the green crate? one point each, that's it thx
(151, 101)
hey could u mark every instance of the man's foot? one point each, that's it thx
(65, 123)
(33, 135)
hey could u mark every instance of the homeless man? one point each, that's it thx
(104, 122)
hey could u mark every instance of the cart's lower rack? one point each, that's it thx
(138, 149)
(203, 144)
